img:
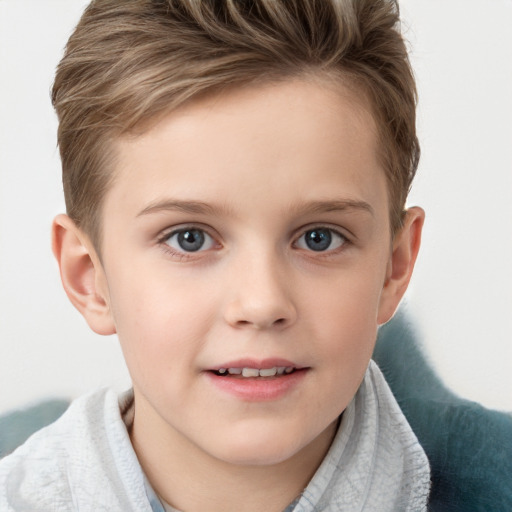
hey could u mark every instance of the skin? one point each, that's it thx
(255, 169)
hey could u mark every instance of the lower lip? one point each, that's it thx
(258, 389)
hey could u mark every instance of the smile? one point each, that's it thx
(253, 384)
(255, 372)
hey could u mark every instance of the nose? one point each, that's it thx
(260, 295)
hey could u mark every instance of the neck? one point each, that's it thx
(189, 479)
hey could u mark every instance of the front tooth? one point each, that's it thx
(268, 372)
(235, 371)
(250, 372)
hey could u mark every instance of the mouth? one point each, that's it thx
(253, 382)
(257, 380)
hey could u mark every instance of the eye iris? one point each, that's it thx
(191, 240)
(318, 239)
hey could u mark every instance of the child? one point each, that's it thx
(235, 175)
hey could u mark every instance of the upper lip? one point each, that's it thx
(260, 364)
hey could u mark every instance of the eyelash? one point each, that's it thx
(163, 241)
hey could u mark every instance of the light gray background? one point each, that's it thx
(461, 295)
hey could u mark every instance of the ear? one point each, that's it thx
(406, 245)
(82, 274)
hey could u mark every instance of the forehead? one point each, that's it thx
(287, 141)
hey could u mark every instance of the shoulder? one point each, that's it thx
(73, 456)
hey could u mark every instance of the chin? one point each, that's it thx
(260, 450)
(258, 458)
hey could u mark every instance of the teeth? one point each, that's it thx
(255, 372)
(250, 372)
(268, 372)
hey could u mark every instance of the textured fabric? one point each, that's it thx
(82, 462)
(85, 461)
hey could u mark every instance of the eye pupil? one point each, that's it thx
(318, 239)
(191, 240)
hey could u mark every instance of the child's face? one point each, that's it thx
(248, 230)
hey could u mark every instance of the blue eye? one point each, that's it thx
(190, 240)
(321, 240)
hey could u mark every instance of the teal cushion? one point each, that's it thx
(19, 425)
(469, 447)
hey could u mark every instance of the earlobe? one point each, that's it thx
(406, 246)
(82, 274)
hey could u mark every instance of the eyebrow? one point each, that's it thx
(335, 205)
(311, 207)
(197, 207)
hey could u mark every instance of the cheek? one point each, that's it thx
(158, 318)
(346, 315)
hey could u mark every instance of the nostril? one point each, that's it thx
(276, 323)
(260, 313)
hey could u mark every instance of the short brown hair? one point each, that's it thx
(130, 61)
